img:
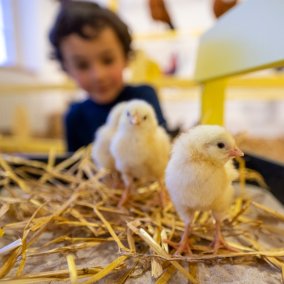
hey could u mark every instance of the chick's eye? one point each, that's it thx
(221, 145)
(128, 114)
(145, 117)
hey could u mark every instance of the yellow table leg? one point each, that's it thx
(212, 102)
(21, 125)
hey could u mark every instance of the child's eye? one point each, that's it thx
(82, 65)
(108, 60)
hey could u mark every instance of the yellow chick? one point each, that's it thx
(101, 146)
(140, 146)
(199, 177)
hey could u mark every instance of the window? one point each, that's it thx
(3, 51)
(7, 50)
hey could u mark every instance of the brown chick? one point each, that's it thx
(199, 177)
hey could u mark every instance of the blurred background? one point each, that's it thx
(34, 92)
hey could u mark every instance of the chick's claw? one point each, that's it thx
(182, 247)
(220, 242)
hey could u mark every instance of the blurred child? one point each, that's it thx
(93, 46)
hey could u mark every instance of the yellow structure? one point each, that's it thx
(112, 5)
(246, 39)
(22, 139)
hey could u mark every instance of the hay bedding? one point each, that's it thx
(69, 230)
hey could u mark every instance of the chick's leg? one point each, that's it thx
(164, 196)
(116, 180)
(219, 241)
(128, 183)
(184, 245)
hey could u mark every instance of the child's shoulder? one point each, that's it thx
(78, 106)
(140, 88)
(140, 91)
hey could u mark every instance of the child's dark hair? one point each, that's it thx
(75, 17)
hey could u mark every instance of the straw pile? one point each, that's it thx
(60, 223)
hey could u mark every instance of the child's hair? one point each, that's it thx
(75, 17)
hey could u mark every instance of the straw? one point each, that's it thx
(52, 215)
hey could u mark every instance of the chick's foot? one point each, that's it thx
(220, 242)
(124, 197)
(184, 245)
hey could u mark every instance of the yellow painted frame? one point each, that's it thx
(213, 101)
(236, 46)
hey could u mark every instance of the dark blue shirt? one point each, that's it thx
(84, 118)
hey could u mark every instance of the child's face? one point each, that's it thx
(96, 64)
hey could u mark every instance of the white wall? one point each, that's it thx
(33, 20)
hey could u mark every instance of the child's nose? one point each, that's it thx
(97, 72)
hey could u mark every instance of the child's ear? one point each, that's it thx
(64, 67)
(126, 61)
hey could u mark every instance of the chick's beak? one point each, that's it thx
(236, 152)
(135, 120)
